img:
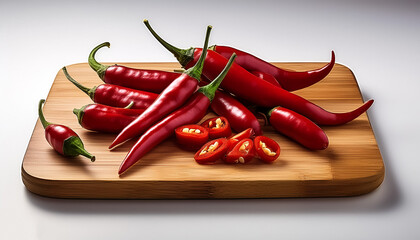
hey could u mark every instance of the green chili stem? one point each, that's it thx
(99, 68)
(89, 91)
(196, 70)
(44, 122)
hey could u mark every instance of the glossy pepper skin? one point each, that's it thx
(289, 80)
(203, 156)
(267, 77)
(266, 149)
(176, 94)
(217, 131)
(191, 112)
(102, 118)
(142, 79)
(239, 117)
(191, 140)
(247, 133)
(245, 85)
(115, 96)
(62, 138)
(298, 128)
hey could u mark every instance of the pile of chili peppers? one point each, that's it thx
(153, 105)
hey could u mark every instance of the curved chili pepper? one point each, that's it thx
(217, 127)
(239, 117)
(101, 118)
(266, 148)
(176, 94)
(289, 80)
(115, 96)
(211, 151)
(267, 77)
(243, 152)
(62, 139)
(245, 85)
(247, 133)
(298, 128)
(142, 79)
(193, 110)
(192, 136)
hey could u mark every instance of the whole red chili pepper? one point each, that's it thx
(62, 139)
(239, 117)
(142, 79)
(266, 149)
(245, 85)
(289, 80)
(217, 127)
(267, 77)
(298, 128)
(115, 96)
(102, 118)
(191, 137)
(243, 152)
(211, 151)
(193, 110)
(170, 99)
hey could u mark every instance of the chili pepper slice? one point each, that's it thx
(247, 133)
(193, 111)
(298, 128)
(289, 80)
(267, 77)
(243, 152)
(62, 138)
(176, 94)
(245, 85)
(217, 127)
(142, 79)
(238, 116)
(191, 137)
(102, 118)
(266, 148)
(211, 151)
(115, 96)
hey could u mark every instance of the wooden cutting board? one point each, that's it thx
(351, 165)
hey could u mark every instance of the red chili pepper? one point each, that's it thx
(245, 85)
(211, 151)
(243, 152)
(247, 133)
(267, 77)
(176, 94)
(193, 111)
(62, 139)
(115, 96)
(239, 117)
(191, 137)
(142, 79)
(217, 127)
(101, 118)
(298, 128)
(266, 148)
(289, 80)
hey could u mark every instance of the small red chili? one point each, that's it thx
(247, 133)
(211, 151)
(267, 149)
(243, 152)
(217, 127)
(142, 79)
(102, 118)
(62, 139)
(116, 96)
(191, 137)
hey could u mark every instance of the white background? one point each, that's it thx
(378, 40)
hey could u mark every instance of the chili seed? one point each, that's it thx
(241, 160)
(185, 130)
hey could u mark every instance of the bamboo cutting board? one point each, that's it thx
(351, 165)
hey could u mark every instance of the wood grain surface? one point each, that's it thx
(351, 165)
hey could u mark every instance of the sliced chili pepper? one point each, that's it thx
(266, 148)
(211, 151)
(102, 118)
(115, 96)
(247, 133)
(245, 85)
(238, 116)
(243, 152)
(289, 80)
(267, 77)
(217, 127)
(142, 79)
(176, 94)
(62, 138)
(191, 137)
(193, 111)
(298, 128)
